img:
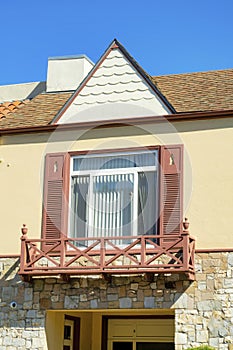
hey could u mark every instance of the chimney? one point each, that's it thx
(66, 73)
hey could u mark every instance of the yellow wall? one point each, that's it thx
(208, 174)
(54, 329)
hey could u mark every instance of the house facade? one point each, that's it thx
(116, 208)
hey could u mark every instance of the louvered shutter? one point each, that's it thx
(55, 205)
(171, 190)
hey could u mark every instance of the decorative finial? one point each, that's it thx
(186, 224)
(24, 229)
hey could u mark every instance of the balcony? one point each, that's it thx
(149, 254)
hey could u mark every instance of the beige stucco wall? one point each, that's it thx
(208, 174)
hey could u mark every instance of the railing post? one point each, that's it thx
(185, 236)
(143, 250)
(24, 253)
(102, 253)
(64, 240)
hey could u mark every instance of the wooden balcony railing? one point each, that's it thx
(108, 255)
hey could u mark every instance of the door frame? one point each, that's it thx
(76, 331)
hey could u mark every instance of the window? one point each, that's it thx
(114, 194)
(126, 193)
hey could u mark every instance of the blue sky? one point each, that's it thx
(164, 36)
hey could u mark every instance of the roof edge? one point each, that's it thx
(190, 116)
(70, 57)
(192, 73)
(145, 76)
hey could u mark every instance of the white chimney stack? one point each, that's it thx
(66, 73)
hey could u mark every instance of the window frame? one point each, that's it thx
(130, 170)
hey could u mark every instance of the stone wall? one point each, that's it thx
(203, 308)
(21, 320)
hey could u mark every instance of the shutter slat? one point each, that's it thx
(55, 197)
(171, 191)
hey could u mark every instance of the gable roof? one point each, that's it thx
(187, 93)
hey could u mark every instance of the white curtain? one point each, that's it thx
(112, 205)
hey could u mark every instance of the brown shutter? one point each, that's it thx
(171, 190)
(55, 205)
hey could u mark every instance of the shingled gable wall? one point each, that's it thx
(116, 88)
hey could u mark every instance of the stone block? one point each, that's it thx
(125, 303)
(83, 297)
(50, 280)
(83, 283)
(45, 303)
(113, 304)
(31, 314)
(38, 343)
(202, 336)
(140, 295)
(112, 297)
(76, 285)
(147, 292)
(227, 282)
(71, 302)
(94, 304)
(27, 305)
(153, 285)
(183, 301)
(202, 285)
(84, 305)
(17, 342)
(121, 291)
(137, 305)
(181, 338)
(54, 298)
(214, 342)
(28, 294)
(58, 306)
(230, 259)
(7, 293)
(48, 287)
(38, 285)
(134, 286)
(149, 302)
(209, 305)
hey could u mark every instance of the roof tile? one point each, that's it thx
(8, 107)
(202, 91)
(38, 112)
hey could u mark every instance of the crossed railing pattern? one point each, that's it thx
(107, 255)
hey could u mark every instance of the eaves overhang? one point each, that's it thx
(178, 117)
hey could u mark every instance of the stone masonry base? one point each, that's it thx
(203, 308)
